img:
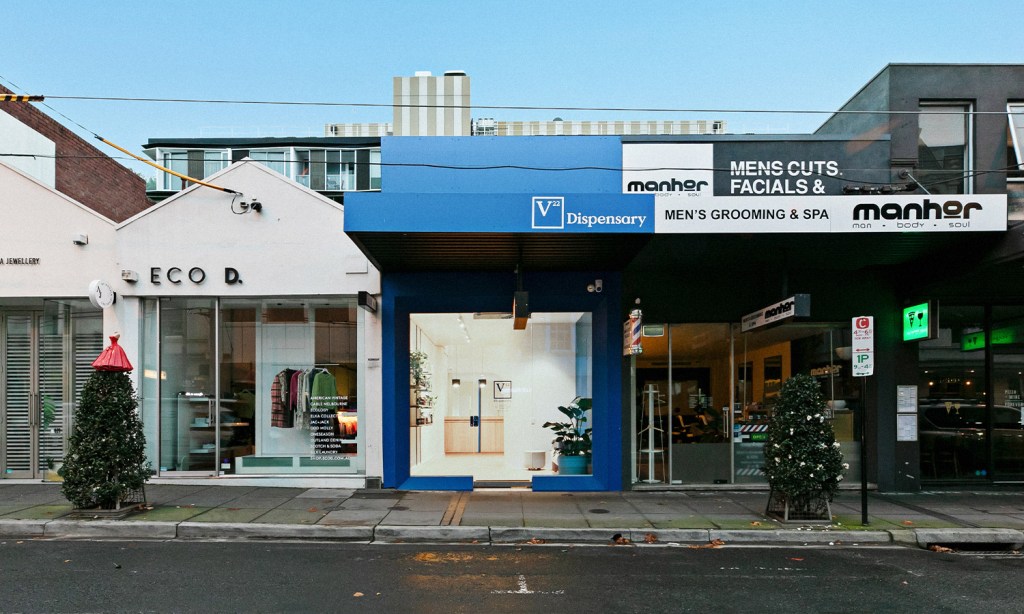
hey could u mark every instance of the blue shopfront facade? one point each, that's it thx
(464, 234)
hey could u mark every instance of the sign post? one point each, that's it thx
(863, 356)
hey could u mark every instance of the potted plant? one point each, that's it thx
(803, 463)
(572, 440)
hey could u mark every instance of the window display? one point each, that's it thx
(256, 386)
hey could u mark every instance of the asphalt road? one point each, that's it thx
(109, 576)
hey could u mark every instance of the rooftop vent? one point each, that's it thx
(455, 73)
(422, 73)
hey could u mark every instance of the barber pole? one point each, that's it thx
(635, 327)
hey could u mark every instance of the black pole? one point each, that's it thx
(863, 451)
(479, 416)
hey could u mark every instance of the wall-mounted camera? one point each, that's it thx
(596, 286)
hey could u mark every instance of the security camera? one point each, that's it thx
(256, 206)
(598, 285)
(590, 287)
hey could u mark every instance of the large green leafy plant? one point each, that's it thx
(106, 458)
(572, 438)
(801, 454)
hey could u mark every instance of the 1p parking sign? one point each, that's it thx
(863, 355)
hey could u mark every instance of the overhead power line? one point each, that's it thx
(312, 103)
(519, 167)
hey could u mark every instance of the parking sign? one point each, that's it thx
(863, 348)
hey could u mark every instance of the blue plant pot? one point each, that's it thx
(572, 465)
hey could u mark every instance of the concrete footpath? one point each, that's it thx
(975, 519)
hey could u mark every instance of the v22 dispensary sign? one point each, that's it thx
(561, 214)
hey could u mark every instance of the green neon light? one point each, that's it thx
(916, 322)
(1009, 335)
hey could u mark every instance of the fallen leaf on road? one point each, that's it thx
(715, 543)
(650, 538)
(908, 523)
(618, 539)
(312, 509)
(755, 523)
(65, 560)
(938, 548)
(796, 558)
(357, 594)
(535, 540)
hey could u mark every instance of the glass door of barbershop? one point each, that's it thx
(704, 394)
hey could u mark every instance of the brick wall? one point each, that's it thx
(83, 172)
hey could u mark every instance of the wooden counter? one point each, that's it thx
(459, 436)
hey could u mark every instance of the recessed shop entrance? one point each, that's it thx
(704, 394)
(480, 392)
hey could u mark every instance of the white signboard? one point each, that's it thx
(678, 214)
(798, 305)
(906, 399)
(684, 169)
(863, 347)
(906, 427)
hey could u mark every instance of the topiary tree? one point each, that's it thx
(802, 458)
(106, 459)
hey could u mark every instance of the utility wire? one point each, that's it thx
(922, 111)
(560, 169)
(32, 98)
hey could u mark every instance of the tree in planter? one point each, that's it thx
(803, 463)
(105, 464)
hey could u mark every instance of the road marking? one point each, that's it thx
(525, 590)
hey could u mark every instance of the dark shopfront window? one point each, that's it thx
(969, 419)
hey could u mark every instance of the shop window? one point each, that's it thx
(481, 392)
(943, 148)
(952, 414)
(1007, 343)
(250, 386)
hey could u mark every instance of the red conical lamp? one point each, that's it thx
(112, 358)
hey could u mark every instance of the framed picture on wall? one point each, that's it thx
(502, 390)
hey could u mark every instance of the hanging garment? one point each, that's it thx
(280, 417)
(324, 395)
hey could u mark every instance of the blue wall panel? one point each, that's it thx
(405, 159)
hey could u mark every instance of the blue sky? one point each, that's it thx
(683, 55)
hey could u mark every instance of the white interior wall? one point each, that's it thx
(540, 362)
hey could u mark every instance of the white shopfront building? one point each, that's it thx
(252, 358)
